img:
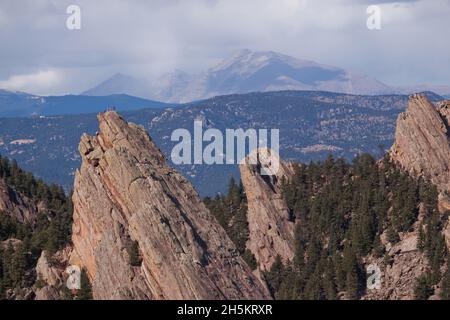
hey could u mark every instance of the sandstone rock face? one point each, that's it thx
(51, 272)
(271, 231)
(126, 192)
(16, 204)
(398, 279)
(422, 144)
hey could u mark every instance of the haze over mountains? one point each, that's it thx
(312, 125)
(248, 71)
(20, 104)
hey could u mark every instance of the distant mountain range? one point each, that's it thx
(248, 71)
(312, 125)
(20, 104)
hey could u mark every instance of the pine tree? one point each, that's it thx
(445, 285)
(422, 289)
(85, 292)
(313, 289)
(351, 268)
(329, 283)
(18, 265)
(134, 254)
(274, 277)
(422, 239)
(250, 259)
(1, 267)
(378, 249)
(392, 235)
(7, 266)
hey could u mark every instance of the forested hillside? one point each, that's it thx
(21, 242)
(346, 215)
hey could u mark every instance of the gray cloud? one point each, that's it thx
(147, 38)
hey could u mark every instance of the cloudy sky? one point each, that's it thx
(145, 38)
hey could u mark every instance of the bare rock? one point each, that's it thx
(422, 141)
(398, 279)
(125, 191)
(51, 277)
(271, 229)
(16, 204)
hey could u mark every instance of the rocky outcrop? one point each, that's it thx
(16, 205)
(50, 272)
(399, 276)
(271, 229)
(422, 145)
(126, 192)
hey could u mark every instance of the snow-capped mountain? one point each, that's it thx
(248, 71)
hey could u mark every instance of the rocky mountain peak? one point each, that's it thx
(271, 230)
(125, 196)
(422, 145)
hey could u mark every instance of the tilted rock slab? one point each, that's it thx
(125, 191)
(271, 231)
(422, 144)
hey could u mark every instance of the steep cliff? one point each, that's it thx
(271, 229)
(422, 145)
(126, 194)
(16, 204)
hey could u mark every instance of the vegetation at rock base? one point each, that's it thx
(445, 286)
(85, 291)
(231, 212)
(51, 231)
(342, 210)
(134, 254)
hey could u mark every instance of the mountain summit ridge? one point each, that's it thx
(247, 71)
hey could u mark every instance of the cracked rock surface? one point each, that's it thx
(124, 192)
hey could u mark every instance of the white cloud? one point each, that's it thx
(42, 81)
(146, 38)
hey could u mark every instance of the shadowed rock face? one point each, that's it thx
(125, 192)
(17, 205)
(422, 141)
(271, 231)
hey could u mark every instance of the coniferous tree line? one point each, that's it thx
(342, 209)
(231, 213)
(51, 231)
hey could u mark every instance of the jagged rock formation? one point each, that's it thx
(422, 145)
(50, 271)
(398, 278)
(126, 192)
(271, 229)
(17, 205)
